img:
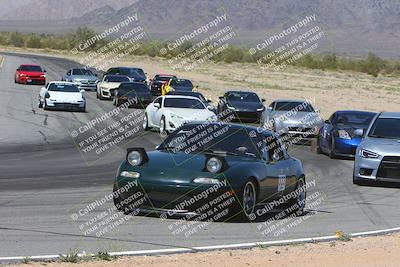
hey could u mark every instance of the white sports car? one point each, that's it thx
(62, 95)
(171, 111)
(107, 86)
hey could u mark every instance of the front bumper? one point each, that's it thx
(65, 105)
(247, 116)
(32, 80)
(382, 169)
(87, 86)
(173, 199)
(346, 147)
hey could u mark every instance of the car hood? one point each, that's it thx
(180, 168)
(382, 146)
(110, 84)
(245, 106)
(65, 95)
(192, 114)
(299, 117)
(36, 73)
(182, 88)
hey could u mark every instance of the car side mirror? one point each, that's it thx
(359, 132)
(221, 97)
(327, 122)
(263, 100)
(156, 105)
(44, 70)
(82, 91)
(210, 108)
(47, 95)
(317, 111)
(208, 100)
(269, 108)
(95, 74)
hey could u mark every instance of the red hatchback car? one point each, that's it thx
(29, 73)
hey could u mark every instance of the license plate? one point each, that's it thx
(29, 80)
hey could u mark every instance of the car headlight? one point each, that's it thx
(22, 74)
(368, 154)
(130, 174)
(343, 134)
(175, 116)
(260, 109)
(214, 165)
(43, 76)
(134, 158)
(201, 180)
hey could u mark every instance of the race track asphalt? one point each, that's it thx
(45, 179)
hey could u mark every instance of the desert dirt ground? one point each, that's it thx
(375, 251)
(328, 90)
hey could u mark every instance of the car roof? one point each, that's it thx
(165, 75)
(390, 115)
(61, 82)
(35, 65)
(239, 91)
(186, 93)
(291, 100)
(134, 68)
(116, 75)
(236, 125)
(180, 96)
(355, 111)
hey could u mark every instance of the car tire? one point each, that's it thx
(146, 122)
(117, 201)
(245, 211)
(332, 153)
(299, 202)
(319, 150)
(45, 105)
(117, 103)
(97, 94)
(163, 126)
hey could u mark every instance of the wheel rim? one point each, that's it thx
(249, 198)
(162, 126)
(145, 122)
(301, 197)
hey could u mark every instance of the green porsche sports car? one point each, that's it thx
(211, 171)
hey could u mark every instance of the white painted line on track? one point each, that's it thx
(2, 61)
(209, 248)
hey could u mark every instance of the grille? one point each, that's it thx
(389, 168)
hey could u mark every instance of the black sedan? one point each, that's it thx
(246, 106)
(136, 94)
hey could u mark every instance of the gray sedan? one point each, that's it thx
(294, 118)
(378, 155)
(85, 79)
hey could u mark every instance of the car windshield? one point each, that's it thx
(386, 128)
(182, 83)
(116, 79)
(183, 103)
(31, 68)
(132, 71)
(82, 72)
(128, 88)
(291, 105)
(214, 138)
(63, 88)
(162, 78)
(354, 119)
(243, 96)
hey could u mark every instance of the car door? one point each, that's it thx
(326, 132)
(42, 92)
(155, 114)
(279, 176)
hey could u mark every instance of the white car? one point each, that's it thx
(107, 86)
(171, 111)
(62, 95)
